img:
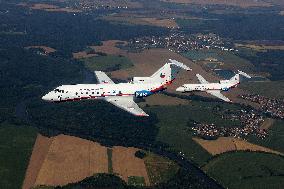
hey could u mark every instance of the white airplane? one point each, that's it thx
(122, 94)
(214, 88)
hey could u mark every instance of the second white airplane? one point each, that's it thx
(214, 88)
(122, 94)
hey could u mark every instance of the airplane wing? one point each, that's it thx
(218, 95)
(103, 78)
(201, 79)
(126, 103)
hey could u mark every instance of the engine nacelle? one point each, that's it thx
(143, 93)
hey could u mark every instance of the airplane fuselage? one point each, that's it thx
(99, 91)
(205, 87)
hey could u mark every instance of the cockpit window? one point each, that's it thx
(58, 90)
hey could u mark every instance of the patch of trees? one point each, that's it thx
(140, 154)
(237, 26)
(25, 74)
(64, 31)
(98, 181)
(271, 61)
(191, 97)
(93, 120)
(183, 179)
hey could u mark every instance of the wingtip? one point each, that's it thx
(142, 115)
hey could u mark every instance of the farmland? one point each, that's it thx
(227, 144)
(107, 63)
(88, 142)
(15, 149)
(247, 170)
(264, 88)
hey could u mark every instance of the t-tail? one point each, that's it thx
(166, 74)
(236, 78)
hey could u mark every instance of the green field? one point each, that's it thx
(109, 159)
(16, 143)
(202, 54)
(273, 89)
(175, 131)
(136, 181)
(107, 63)
(230, 60)
(275, 139)
(247, 170)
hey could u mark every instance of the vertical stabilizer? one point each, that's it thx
(236, 78)
(168, 72)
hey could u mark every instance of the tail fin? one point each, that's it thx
(236, 78)
(167, 73)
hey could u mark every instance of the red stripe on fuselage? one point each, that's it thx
(89, 97)
(162, 87)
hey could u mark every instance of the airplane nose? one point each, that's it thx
(180, 89)
(45, 98)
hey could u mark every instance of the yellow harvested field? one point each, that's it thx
(63, 159)
(71, 159)
(109, 47)
(46, 49)
(261, 47)
(40, 150)
(43, 6)
(138, 20)
(48, 7)
(226, 144)
(149, 61)
(169, 23)
(83, 54)
(239, 3)
(115, 3)
(125, 163)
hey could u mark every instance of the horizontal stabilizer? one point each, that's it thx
(244, 74)
(179, 64)
(201, 79)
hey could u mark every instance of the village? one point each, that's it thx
(250, 120)
(179, 42)
(272, 106)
